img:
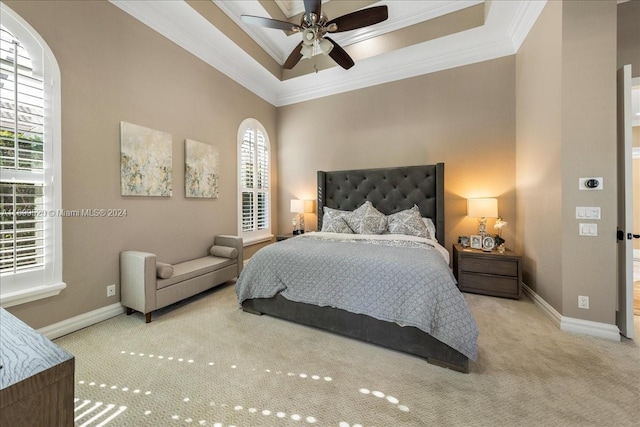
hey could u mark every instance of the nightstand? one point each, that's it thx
(280, 237)
(488, 273)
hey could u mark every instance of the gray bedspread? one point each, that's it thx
(392, 280)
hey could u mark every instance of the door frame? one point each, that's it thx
(624, 312)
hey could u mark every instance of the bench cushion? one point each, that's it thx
(194, 268)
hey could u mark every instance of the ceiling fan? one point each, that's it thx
(315, 25)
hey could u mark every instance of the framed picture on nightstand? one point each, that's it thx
(488, 243)
(464, 241)
(476, 241)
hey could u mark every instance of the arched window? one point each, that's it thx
(254, 182)
(30, 194)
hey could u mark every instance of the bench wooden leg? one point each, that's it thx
(129, 311)
(148, 317)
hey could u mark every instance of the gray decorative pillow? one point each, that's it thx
(224, 252)
(333, 221)
(408, 222)
(367, 220)
(163, 270)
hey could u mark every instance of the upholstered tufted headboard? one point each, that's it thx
(390, 190)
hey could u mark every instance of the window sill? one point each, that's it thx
(31, 294)
(255, 240)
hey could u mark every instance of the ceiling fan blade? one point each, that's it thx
(293, 58)
(339, 55)
(360, 18)
(270, 23)
(313, 6)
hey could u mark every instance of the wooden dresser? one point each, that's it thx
(36, 378)
(488, 273)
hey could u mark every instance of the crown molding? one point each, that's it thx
(383, 68)
(411, 13)
(271, 45)
(527, 14)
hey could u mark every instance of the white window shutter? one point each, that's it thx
(254, 180)
(22, 147)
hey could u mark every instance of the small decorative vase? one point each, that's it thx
(501, 248)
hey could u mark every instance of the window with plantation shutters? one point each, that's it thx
(254, 182)
(21, 153)
(30, 227)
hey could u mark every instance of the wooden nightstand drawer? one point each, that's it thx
(502, 267)
(489, 284)
(488, 273)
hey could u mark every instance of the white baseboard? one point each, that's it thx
(546, 308)
(570, 324)
(81, 321)
(587, 327)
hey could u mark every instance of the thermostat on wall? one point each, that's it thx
(590, 183)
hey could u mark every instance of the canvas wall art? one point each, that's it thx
(202, 162)
(145, 161)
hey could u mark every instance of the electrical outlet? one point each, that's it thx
(111, 290)
(583, 302)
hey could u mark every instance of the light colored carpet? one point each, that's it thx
(204, 362)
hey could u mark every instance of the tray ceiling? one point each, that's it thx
(419, 37)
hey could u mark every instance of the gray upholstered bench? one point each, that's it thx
(147, 285)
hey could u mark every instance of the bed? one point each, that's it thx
(386, 289)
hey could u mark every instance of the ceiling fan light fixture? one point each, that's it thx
(307, 51)
(308, 36)
(326, 46)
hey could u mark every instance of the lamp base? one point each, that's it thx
(482, 226)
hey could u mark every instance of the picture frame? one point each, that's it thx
(145, 161)
(201, 171)
(464, 241)
(476, 241)
(488, 243)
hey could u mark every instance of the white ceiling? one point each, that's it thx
(506, 26)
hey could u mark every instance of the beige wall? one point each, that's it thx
(464, 117)
(576, 134)
(538, 155)
(114, 69)
(589, 120)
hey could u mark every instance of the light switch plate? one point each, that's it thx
(586, 229)
(588, 212)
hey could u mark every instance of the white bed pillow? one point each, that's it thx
(333, 220)
(432, 228)
(408, 222)
(367, 220)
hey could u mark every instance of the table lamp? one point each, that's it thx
(482, 209)
(297, 208)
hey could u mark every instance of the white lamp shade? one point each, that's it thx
(306, 51)
(482, 208)
(326, 46)
(297, 206)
